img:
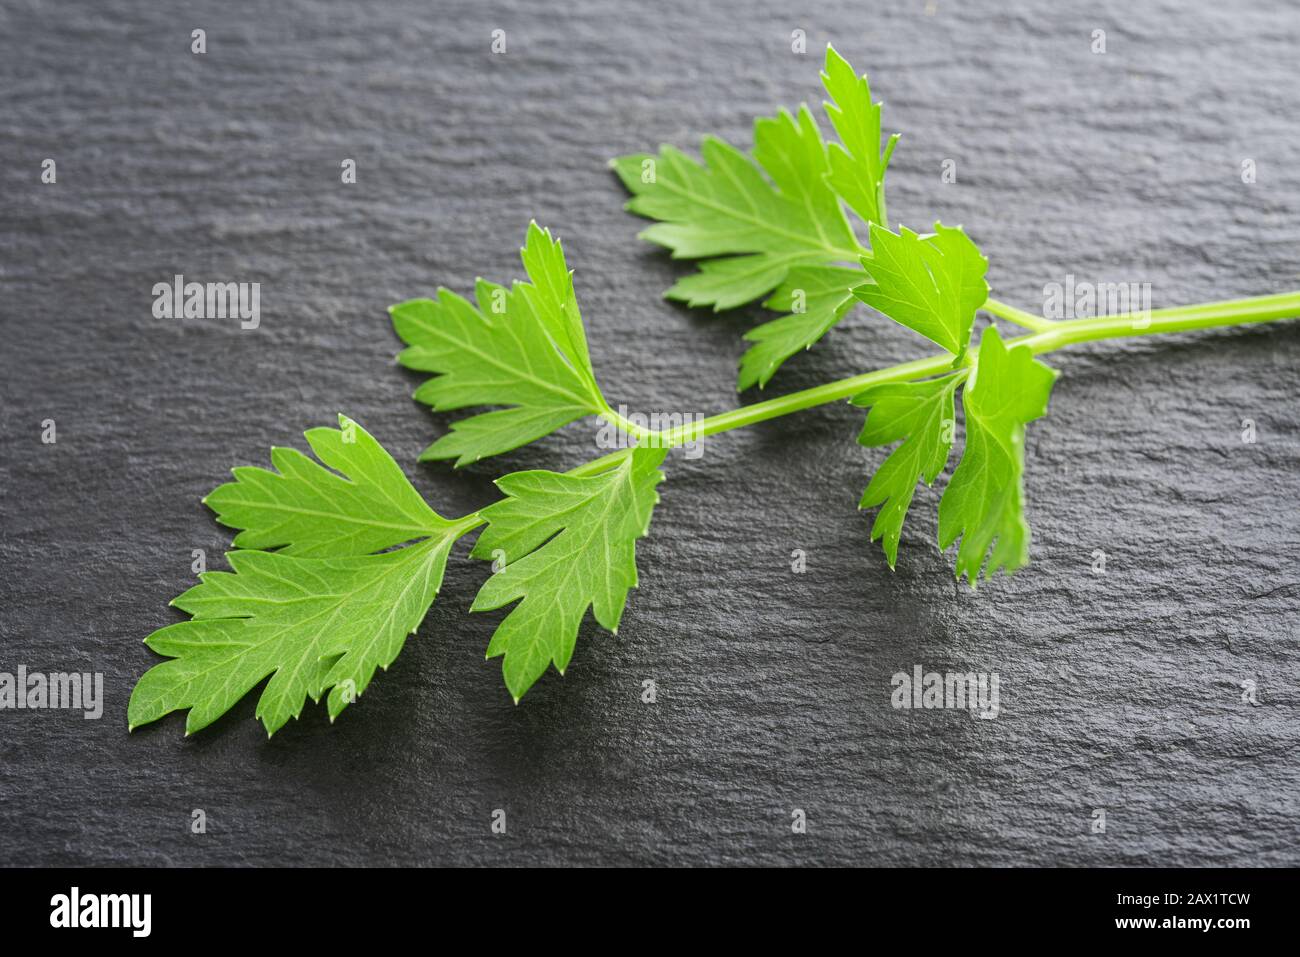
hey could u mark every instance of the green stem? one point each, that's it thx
(1021, 318)
(1233, 312)
(1048, 337)
(596, 466)
(807, 399)
(631, 428)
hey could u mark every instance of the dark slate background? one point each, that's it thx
(1121, 692)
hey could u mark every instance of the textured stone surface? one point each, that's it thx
(1120, 692)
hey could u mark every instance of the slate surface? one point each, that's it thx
(1121, 692)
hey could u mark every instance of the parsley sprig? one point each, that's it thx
(338, 558)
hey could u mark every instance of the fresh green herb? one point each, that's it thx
(323, 612)
(754, 232)
(338, 560)
(566, 543)
(816, 297)
(920, 414)
(984, 501)
(523, 347)
(932, 284)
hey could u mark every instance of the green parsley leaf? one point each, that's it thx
(921, 414)
(314, 624)
(984, 501)
(725, 205)
(816, 297)
(932, 284)
(314, 512)
(568, 543)
(857, 168)
(522, 347)
(771, 217)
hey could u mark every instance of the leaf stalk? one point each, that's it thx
(1047, 336)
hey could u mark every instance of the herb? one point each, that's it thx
(522, 347)
(338, 560)
(920, 414)
(323, 612)
(568, 543)
(984, 501)
(932, 284)
(790, 224)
